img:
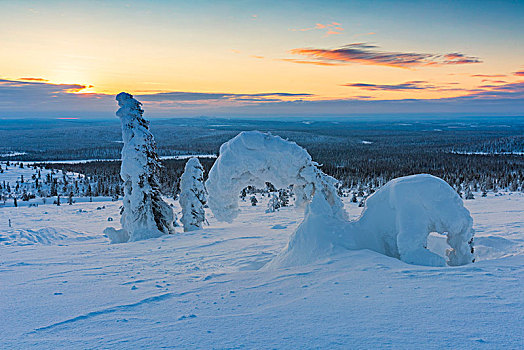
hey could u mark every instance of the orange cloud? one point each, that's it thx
(316, 63)
(368, 54)
(331, 28)
(33, 79)
(488, 75)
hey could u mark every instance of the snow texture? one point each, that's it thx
(397, 219)
(192, 195)
(145, 214)
(80, 292)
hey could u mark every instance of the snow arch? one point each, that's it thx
(396, 221)
(254, 158)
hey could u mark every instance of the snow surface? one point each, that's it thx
(205, 289)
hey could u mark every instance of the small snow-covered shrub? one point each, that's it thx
(273, 204)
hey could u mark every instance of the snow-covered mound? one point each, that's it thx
(399, 217)
(396, 222)
(254, 158)
(44, 236)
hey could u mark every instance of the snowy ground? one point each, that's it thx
(63, 286)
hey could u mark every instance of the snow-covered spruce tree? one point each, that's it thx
(192, 196)
(144, 212)
(469, 194)
(273, 204)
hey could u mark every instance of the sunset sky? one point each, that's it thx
(262, 58)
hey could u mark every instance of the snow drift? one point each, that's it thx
(145, 214)
(41, 236)
(396, 221)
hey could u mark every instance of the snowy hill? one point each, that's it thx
(63, 285)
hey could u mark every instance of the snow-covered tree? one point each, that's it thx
(469, 194)
(192, 195)
(273, 204)
(144, 213)
(283, 197)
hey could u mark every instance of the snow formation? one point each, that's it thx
(144, 214)
(254, 158)
(398, 218)
(396, 221)
(192, 195)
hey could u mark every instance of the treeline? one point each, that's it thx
(105, 175)
(360, 172)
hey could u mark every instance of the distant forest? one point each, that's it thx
(476, 154)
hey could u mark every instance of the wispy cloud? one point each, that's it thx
(332, 28)
(36, 88)
(502, 90)
(33, 79)
(363, 34)
(183, 96)
(519, 73)
(488, 75)
(494, 81)
(364, 53)
(506, 91)
(315, 63)
(409, 85)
